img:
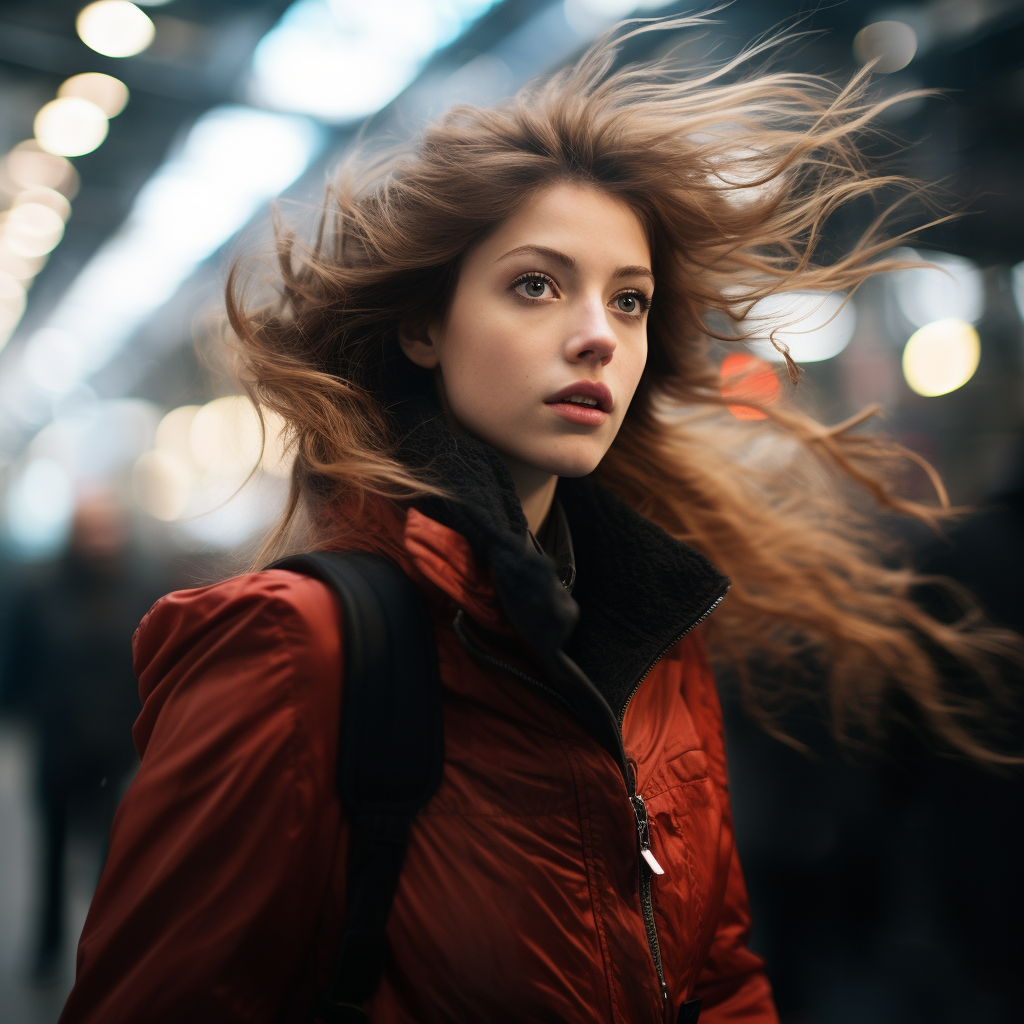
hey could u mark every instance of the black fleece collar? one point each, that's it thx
(637, 589)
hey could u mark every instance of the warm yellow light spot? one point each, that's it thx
(172, 433)
(21, 268)
(115, 28)
(941, 357)
(224, 437)
(70, 126)
(45, 197)
(31, 229)
(108, 93)
(28, 165)
(162, 483)
(12, 293)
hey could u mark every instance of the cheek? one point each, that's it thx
(631, 366)
(486, 371)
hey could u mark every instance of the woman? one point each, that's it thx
(480, 382)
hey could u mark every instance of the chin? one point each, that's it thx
(579, 461)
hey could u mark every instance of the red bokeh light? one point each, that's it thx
(747, 377)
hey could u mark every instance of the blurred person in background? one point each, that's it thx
(482, 382)
(68, 667)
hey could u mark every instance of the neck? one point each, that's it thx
(535, 489)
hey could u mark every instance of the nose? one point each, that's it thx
(591, 339)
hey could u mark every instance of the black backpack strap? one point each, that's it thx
(390, 752)
(689, 1012)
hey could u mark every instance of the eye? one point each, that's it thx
(534, 286)
(632, 303)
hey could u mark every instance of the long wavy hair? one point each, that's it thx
(736, 175)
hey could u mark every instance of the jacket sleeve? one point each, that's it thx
(221, 851)
(732, 985)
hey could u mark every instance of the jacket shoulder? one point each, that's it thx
(258, 638)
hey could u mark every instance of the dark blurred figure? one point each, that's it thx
(69, 670)
(974, 818)
(887, 886)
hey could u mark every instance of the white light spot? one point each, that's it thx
(941, 357)
(45, 197)
(343, 59)
(814, 325)
(39, 507)
(70, 126)
(115, 28)
(108, 93)
(952, 289)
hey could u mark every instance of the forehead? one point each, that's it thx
(579, 220)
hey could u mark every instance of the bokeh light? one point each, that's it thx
(952, 288)
(1017, 286)
(44, 196)
(172, 432)
(108, 93)
(21, 268)
(941, 357)
(70, 126)
(342, 59)
(115, 28)
(52, 359)
(162, 484)
(97, 439)
(39, 507)
(201, 456)
(28, 165)
(232, 160)
(892, 43)
(12, 305)
(748, 378)
(224, 436)
(32, 229)
(813, 325)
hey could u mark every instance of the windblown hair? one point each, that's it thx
(735, 177)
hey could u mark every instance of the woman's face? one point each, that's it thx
(546, 336)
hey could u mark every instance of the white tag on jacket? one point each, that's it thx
(652, 861)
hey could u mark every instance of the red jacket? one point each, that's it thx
(223, 894)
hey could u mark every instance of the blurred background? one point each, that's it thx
(141, 146)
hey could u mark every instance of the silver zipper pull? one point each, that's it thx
(644, 832)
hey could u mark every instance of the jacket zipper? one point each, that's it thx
(648, 865)
(661, 654)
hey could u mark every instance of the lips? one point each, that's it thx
(585, 389)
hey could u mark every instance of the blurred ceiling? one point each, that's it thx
(971, 139)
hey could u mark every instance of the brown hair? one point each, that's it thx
(735, 178)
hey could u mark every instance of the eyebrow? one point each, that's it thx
(570, 263)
